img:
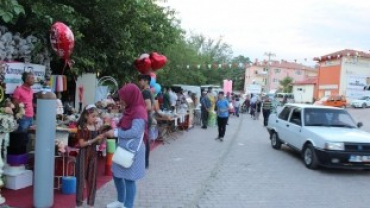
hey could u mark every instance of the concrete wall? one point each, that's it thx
(303, 93)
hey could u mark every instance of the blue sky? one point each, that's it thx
(292, 29)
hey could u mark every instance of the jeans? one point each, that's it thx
(126, 191)
(221, 122)
(266, 114)
(237, 111)
(23, 125)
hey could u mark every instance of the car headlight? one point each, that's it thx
(334, 146)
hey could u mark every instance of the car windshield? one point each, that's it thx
(363, 98)
(328, 117)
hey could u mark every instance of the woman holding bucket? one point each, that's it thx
(130, 130)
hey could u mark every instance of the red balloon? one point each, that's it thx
(143, 65)
(62, 40)
(158, 61)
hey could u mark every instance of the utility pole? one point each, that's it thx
(269, 55)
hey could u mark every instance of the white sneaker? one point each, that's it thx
(115, 204)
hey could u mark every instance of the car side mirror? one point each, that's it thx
(359, 124)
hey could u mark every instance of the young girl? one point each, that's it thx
(87, 159)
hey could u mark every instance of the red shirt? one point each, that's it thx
(25, 95)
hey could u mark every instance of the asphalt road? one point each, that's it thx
(197, 171)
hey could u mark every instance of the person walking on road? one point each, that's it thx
(266, 110)
(258, 109)
(222, 115)
(205, 107)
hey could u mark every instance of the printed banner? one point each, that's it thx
(356, 86)
(13, 76)
(228, 86)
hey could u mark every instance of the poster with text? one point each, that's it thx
(13, 76)
(356, 85)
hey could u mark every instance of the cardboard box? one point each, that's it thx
(20, 181)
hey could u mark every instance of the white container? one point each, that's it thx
(20, 181)
(14, 170)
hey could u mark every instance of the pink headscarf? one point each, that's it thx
(135, 105)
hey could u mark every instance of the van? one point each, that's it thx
(288, 97)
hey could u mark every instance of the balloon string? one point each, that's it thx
(65, 65)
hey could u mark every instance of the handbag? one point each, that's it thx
(124, 156)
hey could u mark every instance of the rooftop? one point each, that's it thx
(342, 53)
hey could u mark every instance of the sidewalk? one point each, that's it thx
(180, 171)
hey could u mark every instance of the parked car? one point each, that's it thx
(325, 136)
(362, 102)
(339, 101)
(284, 97)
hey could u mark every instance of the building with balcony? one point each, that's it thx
(344, 72)
(268, 76)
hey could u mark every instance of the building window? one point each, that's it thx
(298, 72)
(277, 71)
(265, 69)
(264, 80)
(275, 80)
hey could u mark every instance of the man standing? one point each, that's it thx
(166, 99)
(205, 107)
(173, 99)
(24, 94)
(144, 81)
(266, 110)
(222, 115)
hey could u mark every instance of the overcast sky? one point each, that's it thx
(292, 29)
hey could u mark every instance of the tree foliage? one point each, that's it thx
(286, 84)
(109, 36)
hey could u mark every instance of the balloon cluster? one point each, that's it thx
(149, 64)
(62, 41)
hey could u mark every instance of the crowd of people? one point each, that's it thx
(230, 105)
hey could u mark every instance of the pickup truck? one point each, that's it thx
(325, 136)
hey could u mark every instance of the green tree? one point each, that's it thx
(10, 10)
(287, 84)
(109, 36)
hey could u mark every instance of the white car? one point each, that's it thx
(362, 102)
(325, 136)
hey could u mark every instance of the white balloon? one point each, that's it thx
(145, 55)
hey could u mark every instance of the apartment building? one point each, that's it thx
(269, 75)
(344, 72)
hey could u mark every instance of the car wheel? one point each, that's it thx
(309, 157)
(364, 105)
(275, 141)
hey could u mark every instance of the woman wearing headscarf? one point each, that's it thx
(130, 130)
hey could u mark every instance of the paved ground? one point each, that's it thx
(196, 171)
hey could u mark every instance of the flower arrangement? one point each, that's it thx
(7, 123)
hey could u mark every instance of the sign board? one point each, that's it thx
(254, 89)
(13, 76)
(355, 86)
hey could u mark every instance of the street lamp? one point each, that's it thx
(269, 54)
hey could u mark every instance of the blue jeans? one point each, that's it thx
(23, 125)
(126, 191)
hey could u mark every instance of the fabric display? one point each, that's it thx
(58, 83)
